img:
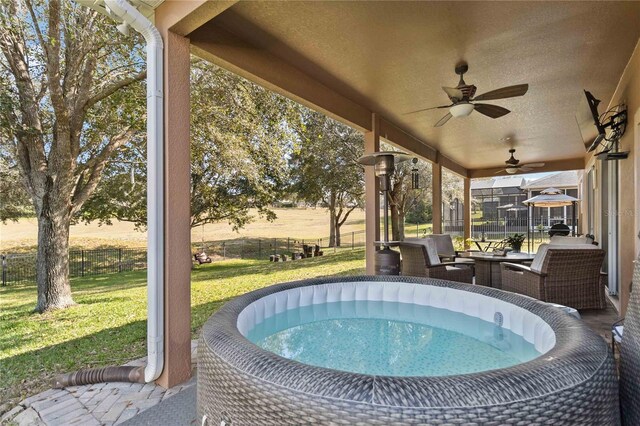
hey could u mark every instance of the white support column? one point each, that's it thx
(436, 197)
(372, 196)
(467, 211)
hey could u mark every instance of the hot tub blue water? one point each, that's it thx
(391, 339)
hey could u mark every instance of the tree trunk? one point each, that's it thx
(332, 227)
(337, 236)
(52, 264)
(401, 214)
(395, 236)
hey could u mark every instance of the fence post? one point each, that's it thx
(224, 250)
(4, 270)
(259, 248)
(353, 240)
(275, 246)
(288, 244)
(119, 260)
(242, 248)
(417, 231)
(82, 263)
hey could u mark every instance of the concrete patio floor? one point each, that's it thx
(147, 404)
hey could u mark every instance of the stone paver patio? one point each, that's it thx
(98, 404)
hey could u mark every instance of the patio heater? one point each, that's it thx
(387, 261)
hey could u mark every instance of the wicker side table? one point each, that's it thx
(487, 266)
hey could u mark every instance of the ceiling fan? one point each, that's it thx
(462, 98)
(514, 166)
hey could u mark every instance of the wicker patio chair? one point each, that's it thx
(444, 247)
(421, 260)
(630, 356)
(567, 275)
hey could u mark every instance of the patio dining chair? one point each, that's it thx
(421, 260)
(567, 275)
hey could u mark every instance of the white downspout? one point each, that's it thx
(155, 183)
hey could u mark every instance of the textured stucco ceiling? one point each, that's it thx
(393, 57)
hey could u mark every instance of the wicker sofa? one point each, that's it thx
(422, 260)
(565, 274)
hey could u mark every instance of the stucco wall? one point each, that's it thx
(628, 209)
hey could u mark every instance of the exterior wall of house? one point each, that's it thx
(628, 207)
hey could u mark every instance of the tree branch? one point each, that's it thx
(83, 192)
(112, 88)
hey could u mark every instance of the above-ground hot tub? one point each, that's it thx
(569, 380)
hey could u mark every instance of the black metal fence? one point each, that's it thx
(262, 248)
(21, 268)
(503, 227)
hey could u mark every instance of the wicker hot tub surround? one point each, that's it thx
(572, 383)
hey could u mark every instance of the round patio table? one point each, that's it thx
(487, 266)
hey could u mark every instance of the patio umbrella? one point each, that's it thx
(550, 197)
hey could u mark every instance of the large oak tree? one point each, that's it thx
(70, 97)
(325, 170)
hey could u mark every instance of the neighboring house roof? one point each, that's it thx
(510, 182)
(568, 179)
(499, 182)
(482, 184)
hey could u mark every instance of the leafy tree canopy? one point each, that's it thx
(241, 135)
(324, 168)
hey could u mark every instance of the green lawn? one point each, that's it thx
(108, 326)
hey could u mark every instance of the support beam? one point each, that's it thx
(451, 165)
(177, 225)
(467, 212)
(550, 166)
(405, 141)
(372, 196)
(436, 197)
(184, 17)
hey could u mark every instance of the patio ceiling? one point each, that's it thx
(354, 58)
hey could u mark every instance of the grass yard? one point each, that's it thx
(108, 327)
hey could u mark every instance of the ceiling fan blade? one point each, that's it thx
(505, 92)
(533, 165)
(443, 120)
(453, 93)
(426, 109)
(493, 111)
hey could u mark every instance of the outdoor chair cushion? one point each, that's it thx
(570, 241)
(538, 260)
(443, 245)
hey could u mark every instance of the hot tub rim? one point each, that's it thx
(568, 364)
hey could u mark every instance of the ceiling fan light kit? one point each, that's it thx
(513, 165)
(462, 109)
